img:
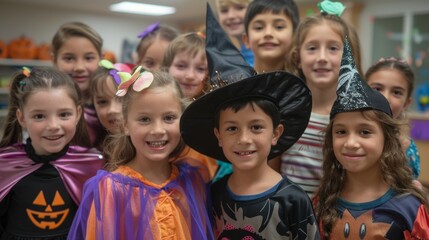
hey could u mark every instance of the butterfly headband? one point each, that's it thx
(139, 80)
(333, 8)
(114, 69)
(148, 30)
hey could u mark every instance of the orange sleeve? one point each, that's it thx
(210, 164)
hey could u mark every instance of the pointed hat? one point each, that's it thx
(353, 93)
(234, 79)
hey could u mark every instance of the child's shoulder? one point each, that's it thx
(15, 148)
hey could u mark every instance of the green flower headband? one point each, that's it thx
(333, 8)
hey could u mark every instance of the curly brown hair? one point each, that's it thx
(394, 167)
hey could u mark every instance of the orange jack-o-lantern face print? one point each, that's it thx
(362, 227)
(48, 219)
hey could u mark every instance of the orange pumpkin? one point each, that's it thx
(22, 48)
(44, 51)
(3, 49)
(109, 55)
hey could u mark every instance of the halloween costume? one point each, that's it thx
(93, 126)
(413, 158)
(140, 209)
(393, 215)
(39, 195)
(284, 211)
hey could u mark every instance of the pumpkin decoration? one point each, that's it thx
(48, 218)
(3, 49)
(22, 48)
(43, 51)
(109, 55)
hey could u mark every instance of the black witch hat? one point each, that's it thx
(353, 93)
(232, 79)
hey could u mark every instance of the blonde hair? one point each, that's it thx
(192, 43)
(120, 150)
(221, 3)
(75, 29)
(337, 24)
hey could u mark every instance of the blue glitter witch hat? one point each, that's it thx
(353, 93)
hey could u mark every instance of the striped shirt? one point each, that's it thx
(302, 163)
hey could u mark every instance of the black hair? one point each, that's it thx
(287, 7)
(268, 106)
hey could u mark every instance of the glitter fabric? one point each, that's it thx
(352, 92)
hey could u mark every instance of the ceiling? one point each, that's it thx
(186, 10)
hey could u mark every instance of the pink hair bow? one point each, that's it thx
(139, 80)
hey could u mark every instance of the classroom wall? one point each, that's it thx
(373, 8)
(41, 23)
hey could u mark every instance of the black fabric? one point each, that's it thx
(224, 60)
(39, 206)
(287, 91)
(234, 79)
(353, 93)
(43, 159)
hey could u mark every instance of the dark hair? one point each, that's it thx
(394, 169)
(120, 150)
(23, 86)
(75, 29)
(269, 108)
(286, 7)
(337, 24)
(397, 64)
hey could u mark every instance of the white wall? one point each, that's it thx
(41, 23)
(384, 8)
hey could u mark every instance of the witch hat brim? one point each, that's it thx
(239, 81)
(287, 91)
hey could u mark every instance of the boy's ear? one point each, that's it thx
(20, 118)
(216, 133)
(278, 131)
(245, 40)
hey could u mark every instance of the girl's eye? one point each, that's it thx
(149, 64)
(38, 116)
(202, 69)
(144, 120)
(365, 132)
(101, 102)
(67, 58)
(65, 114)
(334, 48)
(339, 132)
(398, 93)
(170, 118)
(377, 88)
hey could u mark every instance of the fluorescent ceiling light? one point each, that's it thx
(142, 8)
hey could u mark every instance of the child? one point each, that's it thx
(269, 27)
(41, 181)
(146, 196)
(395, 80)
(231, 17)
(372, 196)
(108, 107)
(246, 123)
(153, 42)
(315, 57)
(185, 59)
(76, 50)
